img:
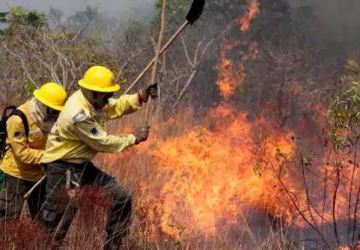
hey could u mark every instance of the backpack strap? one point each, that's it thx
(7, 112)
(21, 114)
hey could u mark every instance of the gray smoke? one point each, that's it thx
(120, 9)
(340, 19)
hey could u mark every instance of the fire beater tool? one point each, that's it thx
(33, 187)
(192, 16)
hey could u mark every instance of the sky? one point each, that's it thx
(113, 8)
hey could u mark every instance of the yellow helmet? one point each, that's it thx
(52, 95)
(100, 79)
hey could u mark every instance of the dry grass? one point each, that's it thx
(134, 171)
(23, 234)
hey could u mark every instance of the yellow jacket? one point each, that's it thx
(78, 134)
(23, 157)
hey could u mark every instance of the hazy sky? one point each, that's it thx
(140, 8)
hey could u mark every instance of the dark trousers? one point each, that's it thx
(12, 198)
(2, 180)
(59, 209)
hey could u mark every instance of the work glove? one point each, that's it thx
(141, 133)
(151, 90)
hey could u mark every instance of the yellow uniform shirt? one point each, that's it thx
(78, 134)
(23, 156)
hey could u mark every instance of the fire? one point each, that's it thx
(208, 176)
(252, 12)
(230, 77)
(210, 173)
(346, 192)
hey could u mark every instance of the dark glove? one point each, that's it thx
(141, 134)
(151, 90)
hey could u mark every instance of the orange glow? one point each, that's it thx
(252, 12)
(207, 175)
(229, 76)
(232, 76)
(210, 174)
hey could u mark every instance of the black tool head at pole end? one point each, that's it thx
(195, 11)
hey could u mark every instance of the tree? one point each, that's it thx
(55, 16)
(82, 20)
(20, 16)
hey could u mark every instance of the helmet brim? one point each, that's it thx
(114, 88)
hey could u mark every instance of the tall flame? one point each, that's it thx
(210, 169)
(208, 176)
(252, 12)
(230, 77)
(210, 173)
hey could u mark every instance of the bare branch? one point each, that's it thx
(23, 65)
(186, 52)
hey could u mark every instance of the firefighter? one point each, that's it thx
(77, 136)
(26, 139)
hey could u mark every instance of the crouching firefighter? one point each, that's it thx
(77, 136)
(24, 132)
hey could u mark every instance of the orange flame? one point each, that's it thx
(207, 176)
(252, 12)
(210, 174)
(229, 77)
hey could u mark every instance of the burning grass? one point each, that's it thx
(224, 180)
(202, 183)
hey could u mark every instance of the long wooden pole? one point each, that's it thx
(33, 187)
(157, 55)
(164, 48)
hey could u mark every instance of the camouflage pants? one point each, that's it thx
(12, 200)
(59, 210)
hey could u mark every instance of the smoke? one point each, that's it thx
(142, 9)
(339, 19)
